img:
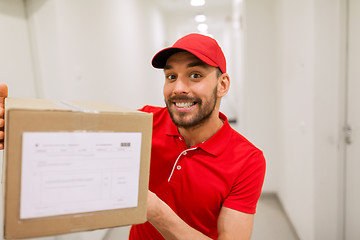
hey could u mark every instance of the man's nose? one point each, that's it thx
(181, 86)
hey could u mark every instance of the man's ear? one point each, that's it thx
(223, 85)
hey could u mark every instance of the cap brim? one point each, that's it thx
(159, 60)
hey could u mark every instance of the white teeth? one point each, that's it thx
(184, 105)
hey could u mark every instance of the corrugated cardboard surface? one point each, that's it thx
(25, 115)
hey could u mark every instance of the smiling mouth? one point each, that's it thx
(184, 104)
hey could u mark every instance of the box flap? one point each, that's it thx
(64, 105)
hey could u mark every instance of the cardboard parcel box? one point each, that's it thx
(73, 166)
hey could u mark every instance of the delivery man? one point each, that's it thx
(205, 178)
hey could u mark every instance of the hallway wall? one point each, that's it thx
(81, 49)
(259, 118)
(59, 49)
(303, 57)
(16, 60)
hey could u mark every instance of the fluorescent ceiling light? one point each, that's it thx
(196, 3)
(200, 18)
(202, 27)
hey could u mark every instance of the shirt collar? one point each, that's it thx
(216, 144)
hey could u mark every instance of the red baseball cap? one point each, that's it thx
(203, 47)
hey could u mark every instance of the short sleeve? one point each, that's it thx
(247, 187)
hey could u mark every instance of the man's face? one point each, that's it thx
(190, 90)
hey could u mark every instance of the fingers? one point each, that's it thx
(3, 90)
(2, 135)
(2, 111)
(3, 95)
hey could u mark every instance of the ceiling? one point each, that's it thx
(218, 14)
(184, 5)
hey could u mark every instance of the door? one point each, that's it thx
(352, 198)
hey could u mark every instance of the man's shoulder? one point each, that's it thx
(240, 143)
(152, 109)
(160, 114)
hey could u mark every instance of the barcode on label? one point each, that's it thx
(125, 144)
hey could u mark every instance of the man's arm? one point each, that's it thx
(3, 95)
(170, 225)
(231, 224)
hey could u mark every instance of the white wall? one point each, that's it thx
(297, 109)
(295, 58)
(260, 89)
(96, 50)
(16, 68)
(329, 118)
(312, 108)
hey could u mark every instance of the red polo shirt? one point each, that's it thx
(226, 170)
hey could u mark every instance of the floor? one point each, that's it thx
(271, 221)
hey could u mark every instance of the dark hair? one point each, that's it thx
(218, 72)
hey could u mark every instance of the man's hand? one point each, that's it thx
(3, 95)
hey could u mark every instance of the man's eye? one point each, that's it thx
(195, 75)
(170, 77)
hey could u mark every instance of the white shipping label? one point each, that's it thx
(77, 172)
